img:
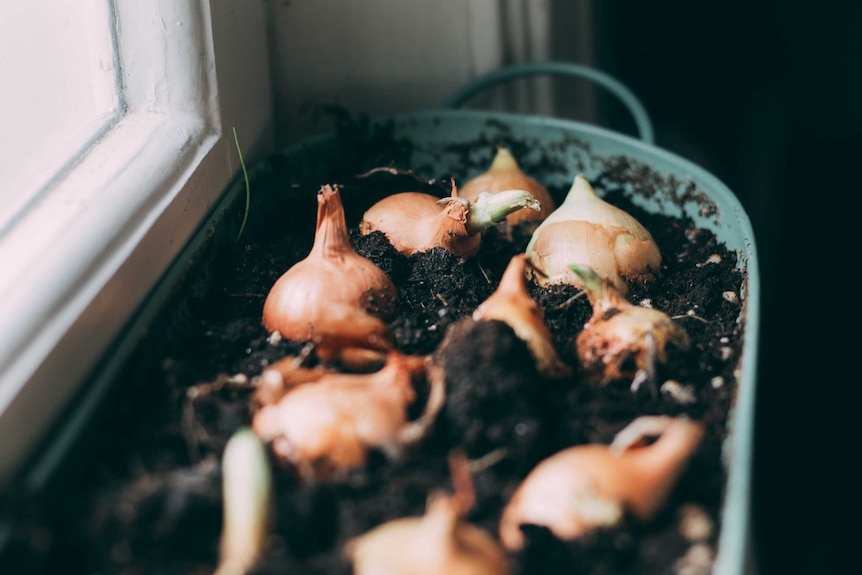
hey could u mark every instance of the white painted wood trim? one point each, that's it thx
(79, 262)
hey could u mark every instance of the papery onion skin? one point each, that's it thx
(439, 543)
(331, 422)
(620, 332)
(416, 222)
(334, 292)
(283, 375)
(588, 487)
(512, 304)
(505, 174)
(588, 230)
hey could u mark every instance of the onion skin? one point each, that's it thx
(439, 543)
(329, 421)
(588, 487)
(417, 222)
(512, 304)
(505, 174)
(283, 375)
(414, 222)
(588, 230)
(619, 331)
(334, 294)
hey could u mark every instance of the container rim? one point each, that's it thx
(735, 549)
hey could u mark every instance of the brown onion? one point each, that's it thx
(330, 420)
(589, 487)
(418, 222)
(620, 333)
(586, 229)
(441, 542)
(334, 295)
(283, 375)
(505, 174)
(511, 303)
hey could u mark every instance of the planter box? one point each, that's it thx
(435, 144)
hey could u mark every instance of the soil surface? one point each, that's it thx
(144, 496)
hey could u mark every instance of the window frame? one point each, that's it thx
(82, 258)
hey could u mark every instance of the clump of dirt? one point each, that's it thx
(144, 496)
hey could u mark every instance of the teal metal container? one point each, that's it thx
(579, 147)
(574, 147)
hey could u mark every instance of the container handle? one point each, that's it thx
(626, 96)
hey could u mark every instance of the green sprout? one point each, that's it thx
(247, 494)
(247, 186)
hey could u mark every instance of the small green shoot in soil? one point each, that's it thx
(247, 186)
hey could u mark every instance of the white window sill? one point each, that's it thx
(61, 256)
(79, 261)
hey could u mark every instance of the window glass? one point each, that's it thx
(58, 65)
(116, 144)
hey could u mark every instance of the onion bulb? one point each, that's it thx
(620, 334)
(330, 420)
(505, 174)
(441, 542)
(283, 375)
(247, 496)
(589, 487)
(590, 231)
(418, 222)
(512, 304)
(334, 295)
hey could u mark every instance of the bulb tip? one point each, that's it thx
(503, 159)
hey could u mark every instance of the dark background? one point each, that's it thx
(767, 96)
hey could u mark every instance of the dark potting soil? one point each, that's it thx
(145, 496)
